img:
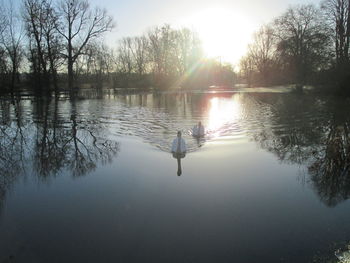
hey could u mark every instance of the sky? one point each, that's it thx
(225, 26)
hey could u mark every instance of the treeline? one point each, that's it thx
(44, 38)
(53, 43)
(167, 57)
(304, 45)
(50, 44)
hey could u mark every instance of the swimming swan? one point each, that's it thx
(179, 144)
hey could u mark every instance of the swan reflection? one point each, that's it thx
(178, 149)
(178, 157)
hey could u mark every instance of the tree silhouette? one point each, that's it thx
(78, 25)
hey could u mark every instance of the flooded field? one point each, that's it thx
(93, 179)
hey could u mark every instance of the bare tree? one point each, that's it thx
(160, 48)
(79, 25)
(3, 66)
(303, 40)
(11, 37)
(125, 56)
(247, 68)
(53, 40)
(40, 19)
(139, 50)
(263, 52)
(187, 50)
(97, 62)
(3, 54)
(338, 14)
(172, 53)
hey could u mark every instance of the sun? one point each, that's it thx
(225, 34)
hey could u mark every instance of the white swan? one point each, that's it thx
(179, 144)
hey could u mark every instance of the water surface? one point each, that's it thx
(92, 179)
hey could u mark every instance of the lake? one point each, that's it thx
(93, 180)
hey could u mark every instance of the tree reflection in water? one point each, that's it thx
(309, 131)
(12, 146)
(330, 170)
(299, 129)
(77, 147)
(48, 142)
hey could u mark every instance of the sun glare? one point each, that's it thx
(224, 33)
(222, 112)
